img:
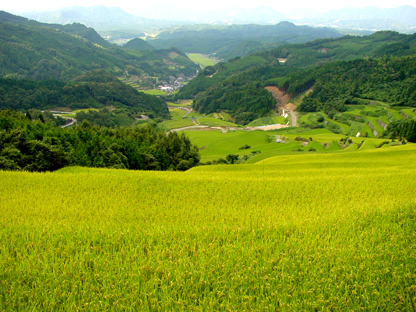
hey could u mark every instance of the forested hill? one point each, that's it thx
(94, 89)
(389, 79)
(138, 44)
(33, 145)
(33, 50)
(224, 86)
(238, 40)
(76, 29)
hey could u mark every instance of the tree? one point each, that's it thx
(232, 158)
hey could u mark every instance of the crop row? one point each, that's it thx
(296, 232)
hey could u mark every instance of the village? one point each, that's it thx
(174, 84)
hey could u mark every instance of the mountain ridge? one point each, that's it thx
(34, 50)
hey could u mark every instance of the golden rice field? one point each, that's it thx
(308, 232)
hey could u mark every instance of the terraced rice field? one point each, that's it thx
(367, 119)
(306, 232)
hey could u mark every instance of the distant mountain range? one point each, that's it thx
(258, 15)
(99, 17)
(230, 41)
(402, 19)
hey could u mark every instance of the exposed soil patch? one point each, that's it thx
(290, 107)
(282, 97)
(266, 128)
(61, 109)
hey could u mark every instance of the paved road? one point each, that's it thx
(186, 128)
(294, 118)
(73, 122)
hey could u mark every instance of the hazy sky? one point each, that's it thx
(133, 6)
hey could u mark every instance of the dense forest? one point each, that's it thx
(401, 129)
(138, 44)
(94, 89)
(36, 145)
(240, 95)
(221, 87)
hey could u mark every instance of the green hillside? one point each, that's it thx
(95, 89)
(259, 145)
(138, 44)
(389, 80)
(75, 29)
(42, 51)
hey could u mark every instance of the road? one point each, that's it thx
(294, 118)
(73, 122)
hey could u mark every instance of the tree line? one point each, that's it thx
(405, 128)
(36, 145)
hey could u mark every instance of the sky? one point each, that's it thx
(133, 6)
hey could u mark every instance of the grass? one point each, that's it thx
(305, 232)
(344, 128)
(222, 115)
(85, 110)
(366, 130)
(409, 112)
(174, 124)
(154, 92)
(305, 119)
(182, 103)
(333, 146)
(394, 114)
(374, 122)
(214, 122)
(201, 60)
(268, 121)
(177, 113)
(214, 144)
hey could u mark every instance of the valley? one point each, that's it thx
(211, 167)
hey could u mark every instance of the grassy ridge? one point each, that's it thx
(214, 144)
(292, 233)
(201, 60)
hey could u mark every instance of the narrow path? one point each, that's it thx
(291, 108)
(73, 122)
(186, 128)
(188, 111)
(294, 118)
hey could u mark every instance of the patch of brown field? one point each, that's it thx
(281, 96)
(61, 109)
(173, 55)
(290, 107)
